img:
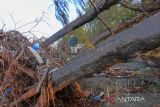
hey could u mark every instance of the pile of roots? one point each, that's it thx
(20, 76)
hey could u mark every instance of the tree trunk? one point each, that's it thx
(142, 37)
(87, 17)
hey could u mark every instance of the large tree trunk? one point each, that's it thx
(87, 17)
(142, 37)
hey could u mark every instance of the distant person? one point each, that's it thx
(73, 43)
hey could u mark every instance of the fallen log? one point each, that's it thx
(142, 37)
(87, 17)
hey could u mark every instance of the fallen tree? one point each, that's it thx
(22, 79)
(87, 17)
(142, 37)
(93, 13)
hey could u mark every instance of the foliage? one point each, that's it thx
(62, 9)
(81, 33)
(111, 17)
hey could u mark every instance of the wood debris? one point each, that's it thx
(24, 82)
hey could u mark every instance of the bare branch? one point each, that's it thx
(34, 35)
(26, 24)
(3, 24)
(15, 23)
(37, 21)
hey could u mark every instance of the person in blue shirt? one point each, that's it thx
(73, 43)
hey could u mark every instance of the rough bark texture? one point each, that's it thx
(87, 17)
(142, 37)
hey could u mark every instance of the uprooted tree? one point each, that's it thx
(87, 17)
(20, 82)
(142, 37)
(93, 13)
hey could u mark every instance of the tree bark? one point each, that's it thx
(142, 37)
(87, 17)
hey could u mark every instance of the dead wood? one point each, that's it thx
(142, 37)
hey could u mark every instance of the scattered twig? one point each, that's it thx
(3, 25)
(24, 97)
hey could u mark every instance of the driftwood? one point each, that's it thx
(87, 17)
(142, 37)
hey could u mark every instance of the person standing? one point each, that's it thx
(73, 43)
